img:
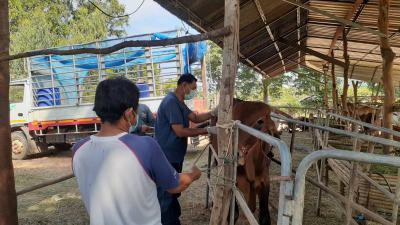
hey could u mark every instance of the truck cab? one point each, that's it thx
(19, 102)
(20, 109)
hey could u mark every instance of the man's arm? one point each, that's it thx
(150, 117)
(181, 131)
(185, 179)
(164, 175)
(199, 117)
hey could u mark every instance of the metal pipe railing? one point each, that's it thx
(364, 124)
(286, 187)
(299, 186)
(364, 137)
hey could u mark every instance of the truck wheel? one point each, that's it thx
(19, 145)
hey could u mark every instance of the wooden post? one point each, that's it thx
(321, 179)
(353, 183)
(395, 210)
(204, 81)
(345, 73)
(223, 190)
(334, 97)
(265, 90)
(355, 91)
(387, 69)
(325, 68)
(8, 198)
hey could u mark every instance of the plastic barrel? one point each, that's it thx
(44, 97)
(144, 90)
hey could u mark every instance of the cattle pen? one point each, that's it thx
(354, 39)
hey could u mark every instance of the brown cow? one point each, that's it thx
(362, 112)
(253, 167)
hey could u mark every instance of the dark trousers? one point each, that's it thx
(169, 204)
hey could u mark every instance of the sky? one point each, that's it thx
(150, 18)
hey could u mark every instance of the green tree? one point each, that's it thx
(214, 61)
(248, 82)
(38, 24)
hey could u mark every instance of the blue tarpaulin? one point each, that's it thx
(68, 70)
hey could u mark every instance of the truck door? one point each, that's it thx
(18, 104)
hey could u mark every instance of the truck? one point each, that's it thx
(53, 106)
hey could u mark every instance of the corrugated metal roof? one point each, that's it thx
(312, 30)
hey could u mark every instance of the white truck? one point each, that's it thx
(53, 106)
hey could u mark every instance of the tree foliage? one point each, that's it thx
(248, 82)
(38, 24)
(302, 87)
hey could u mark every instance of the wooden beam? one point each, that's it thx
(387, 70)
(252, 54)
(334, 97)
(312, 52)
(326, 103)
(339, 30)
(267, 60)
(173, 41)
(224, 192)
(298, 19)
(338, 19)
(267, 27)
(45, 184)
(8, 198)
(204, 80)
(345, 72)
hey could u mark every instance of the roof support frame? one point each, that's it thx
(312, 52)
(276, 63)
(339, 30)
(287, 34)
(341, 20)
(267, 27)
(269, 24)
(273, 56)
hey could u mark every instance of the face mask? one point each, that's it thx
(191, 95)
(133, 127)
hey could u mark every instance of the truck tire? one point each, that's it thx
(19, 145)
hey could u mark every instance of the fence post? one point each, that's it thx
(224, 193)
(235, 160)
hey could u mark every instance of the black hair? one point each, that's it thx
(186, 78)
(113, 97)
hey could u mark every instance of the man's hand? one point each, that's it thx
(185, 179)
(214, 112)
(196, 173)
(146, 129)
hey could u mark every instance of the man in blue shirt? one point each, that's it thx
(171, 132)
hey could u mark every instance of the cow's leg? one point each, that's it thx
(263, 195)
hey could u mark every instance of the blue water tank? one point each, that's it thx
(44, 97)
(144, 90)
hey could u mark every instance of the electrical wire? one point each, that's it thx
(117, 16)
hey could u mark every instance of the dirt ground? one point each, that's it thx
(61, 203)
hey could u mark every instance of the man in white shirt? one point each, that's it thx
(118, 173)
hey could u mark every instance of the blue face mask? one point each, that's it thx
(191, 95)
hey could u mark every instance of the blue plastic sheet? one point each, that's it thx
(68, 70)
